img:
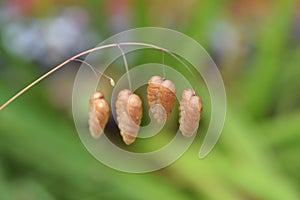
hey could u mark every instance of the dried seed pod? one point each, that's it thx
(129, 115)
(98, 114)
(190, 110)
(161, 97)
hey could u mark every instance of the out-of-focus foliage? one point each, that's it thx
(256, 47)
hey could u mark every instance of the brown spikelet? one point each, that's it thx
(129, 115)
(161, 97)
(98, 114)
(190, 110)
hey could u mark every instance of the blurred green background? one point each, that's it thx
(256, 47)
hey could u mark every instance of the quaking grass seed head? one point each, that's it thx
(129, 115)
(161, 94)
(190, 110)
(98, 114)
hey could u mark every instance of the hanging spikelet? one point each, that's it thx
(161, 97)
(190, 110)
(129, 115)
(98, 114)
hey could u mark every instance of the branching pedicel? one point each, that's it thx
(161, 93)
